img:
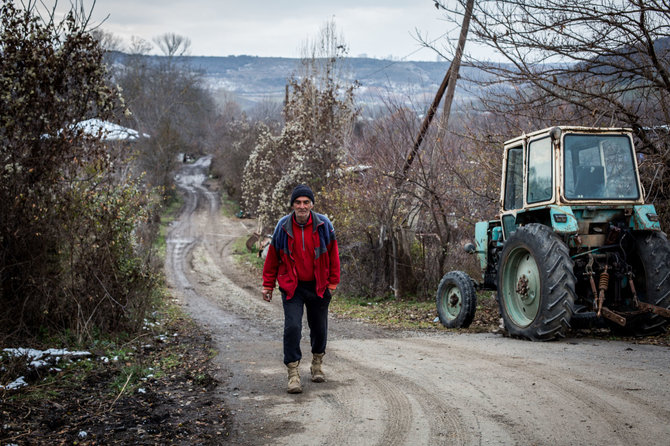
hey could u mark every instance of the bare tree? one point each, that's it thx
(167, 101)
(139, 46)
(173, 45)
(107, 40)
(421, 187)
(323, 59)
(605, 62)
(455, 67)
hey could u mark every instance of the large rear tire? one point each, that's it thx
(536, 284)
(456, 300)
(651, 270)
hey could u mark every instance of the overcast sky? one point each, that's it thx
(376, 28)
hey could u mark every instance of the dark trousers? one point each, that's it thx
(317, 320)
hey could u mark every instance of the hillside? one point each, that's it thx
(253, 79)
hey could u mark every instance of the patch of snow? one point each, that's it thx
(141, 390)
(148, 324)
(108, 131)
(19, 382)
(42, 355)
(38, 364)
(82, 435)
(39, 359)
(358, 168)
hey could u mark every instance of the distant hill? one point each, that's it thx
(253, 79)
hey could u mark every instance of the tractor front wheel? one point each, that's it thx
(456, 300)
(536, 284)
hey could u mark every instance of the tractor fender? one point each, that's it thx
(488, 235)
(645, 218)
(482, 242)
(563, 221)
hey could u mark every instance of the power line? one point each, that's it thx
(402, 59)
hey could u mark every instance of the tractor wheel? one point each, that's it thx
(536, 284)
(651, 273)
(456, 300)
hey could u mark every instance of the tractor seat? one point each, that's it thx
(590, 181)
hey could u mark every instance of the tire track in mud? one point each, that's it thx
(591, 405)
(412, 404)
(378, 408)
(603, 402)
(416, 414)
(180, 238)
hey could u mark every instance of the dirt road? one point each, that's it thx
(400, 388)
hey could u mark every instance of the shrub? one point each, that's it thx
(68, 255)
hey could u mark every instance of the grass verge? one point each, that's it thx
(229, 207)
(245, 258)
(169, 214)
(409, 313)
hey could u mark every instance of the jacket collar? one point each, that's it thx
(288, 224)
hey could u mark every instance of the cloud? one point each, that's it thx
(273, 28)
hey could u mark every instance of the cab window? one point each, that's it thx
(539, 171)
(599, 167)
(514, 180)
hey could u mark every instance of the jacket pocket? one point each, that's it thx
(285, 281)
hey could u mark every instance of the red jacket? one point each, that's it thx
(280, 265)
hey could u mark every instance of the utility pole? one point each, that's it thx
(424, 128)
(455, 67)
(449, 81)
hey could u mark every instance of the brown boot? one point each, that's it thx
(317, 373)
(293, 378)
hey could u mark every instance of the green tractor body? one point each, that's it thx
(575, 244)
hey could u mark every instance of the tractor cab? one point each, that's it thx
(567, 169)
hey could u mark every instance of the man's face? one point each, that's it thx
(302, 206)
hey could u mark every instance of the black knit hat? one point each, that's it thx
(302, 190)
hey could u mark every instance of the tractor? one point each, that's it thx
(574, 245)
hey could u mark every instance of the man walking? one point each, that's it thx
(303, 258)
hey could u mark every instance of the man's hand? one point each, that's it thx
(267, 294)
